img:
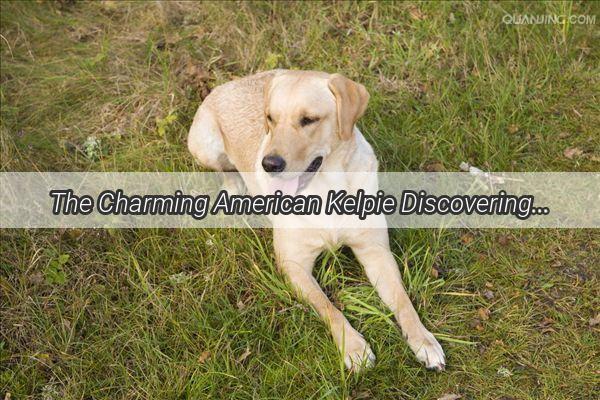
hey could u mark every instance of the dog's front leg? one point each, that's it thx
(295, 258)
(373, 252)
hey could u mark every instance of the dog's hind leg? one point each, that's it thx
(205, 142)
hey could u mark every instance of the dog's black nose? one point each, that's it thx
(273, 163)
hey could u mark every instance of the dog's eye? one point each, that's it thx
(307, 121)
(269, 118)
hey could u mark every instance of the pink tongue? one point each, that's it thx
(287, 186)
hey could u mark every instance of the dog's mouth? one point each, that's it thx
(307, 175)
(294, 185)
(314, 165)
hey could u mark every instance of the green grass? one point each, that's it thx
(164, 314)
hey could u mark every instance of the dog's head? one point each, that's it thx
(307, 115)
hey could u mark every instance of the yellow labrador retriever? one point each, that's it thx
(299, 122)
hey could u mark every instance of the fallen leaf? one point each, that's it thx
(74, 234)
(476, 324)
(204, 356)
(435, 166)
(512, 129)
(488, 294)
(435, 272)
(449, 396)
(244, 355)
(504, 372)
(572, 152)
(595, 321)
(466, 238)
(564, 135)
(197, 77)
(504, 240)
(484, 313)
(545, 325)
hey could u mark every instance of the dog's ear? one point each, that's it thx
(351, 99)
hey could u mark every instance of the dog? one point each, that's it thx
(297, 123)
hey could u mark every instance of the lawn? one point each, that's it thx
(177, 314)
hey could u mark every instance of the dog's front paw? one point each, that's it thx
(428, 350)
(358, 354)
